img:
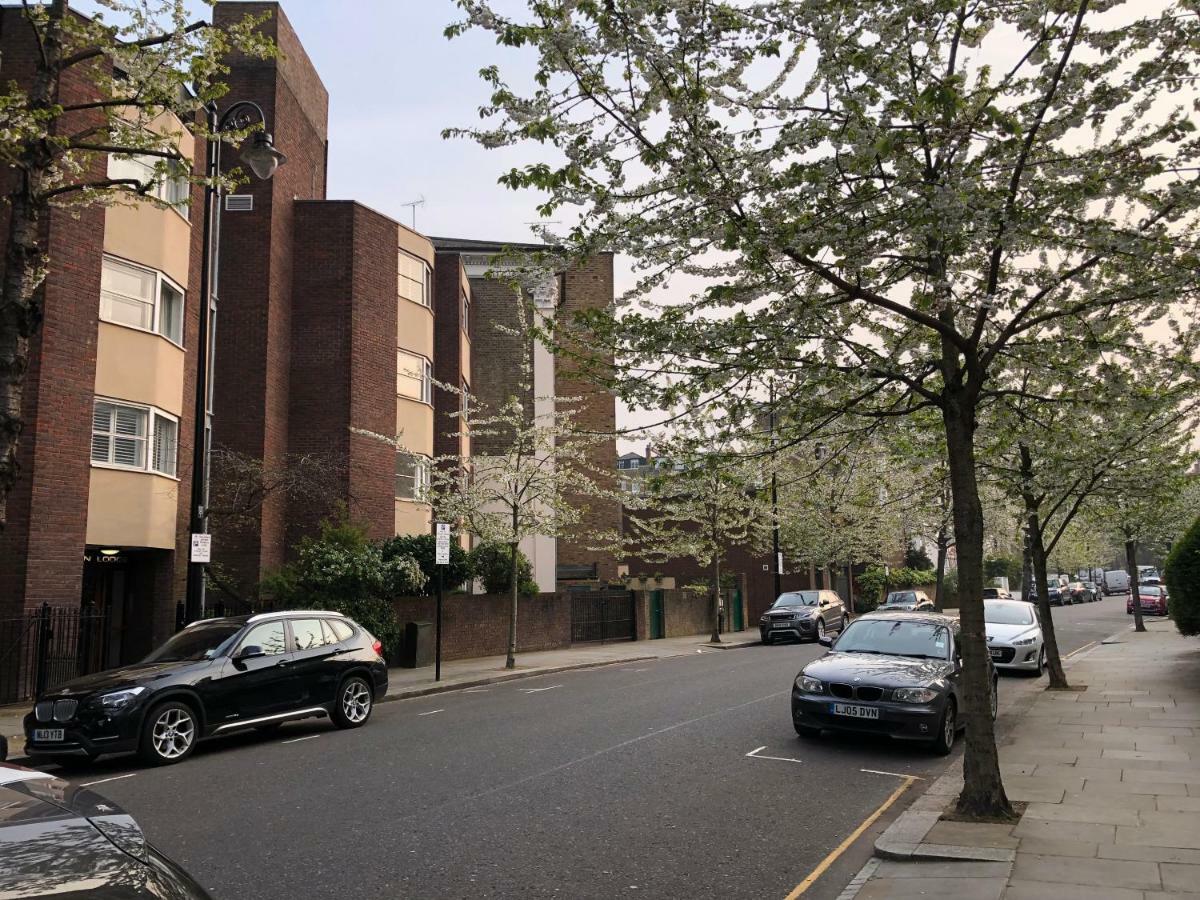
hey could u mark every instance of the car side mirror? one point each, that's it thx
(825, 641)
(249, 651)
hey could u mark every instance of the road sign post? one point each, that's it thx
(441, 558)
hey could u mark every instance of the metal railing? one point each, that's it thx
(44, 647)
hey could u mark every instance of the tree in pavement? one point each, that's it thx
(145, 63)
(1059, 446)
(703, 498)
(885, 203)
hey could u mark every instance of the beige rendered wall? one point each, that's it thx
(414, 328)
(140, 367)
(131, 509)
(412, 518)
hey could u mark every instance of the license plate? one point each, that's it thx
(855, 712)
(996, 652)
(781, 625)
(49, 734)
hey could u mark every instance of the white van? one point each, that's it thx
(1116, 581)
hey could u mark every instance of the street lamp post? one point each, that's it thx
(263, 159)
(776, 563)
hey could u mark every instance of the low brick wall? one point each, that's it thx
(685, 613)
(476, 625)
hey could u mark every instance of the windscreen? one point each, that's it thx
(896, 638)
(798, 598)
(195, 643)
(1008, 613)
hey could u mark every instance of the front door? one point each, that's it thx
(255, 680)
(657, 623)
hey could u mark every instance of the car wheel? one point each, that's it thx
(766, 641)
(947, 731)
(169, 733)
(1041, 669)
(820, 629)
(354, 703)
(994, 700)
(807, 731)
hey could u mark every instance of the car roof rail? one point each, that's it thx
(259, 617)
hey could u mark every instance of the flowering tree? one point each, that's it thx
(702, 499)
(156, 63)
(886, 203)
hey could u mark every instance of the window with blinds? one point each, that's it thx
(414, 282)
(134, 437)
(167, 178)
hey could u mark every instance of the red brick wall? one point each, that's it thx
(476, 625)
(589, 285)
(686, 613)
(254, 335)
(447, 352)
(41, 551)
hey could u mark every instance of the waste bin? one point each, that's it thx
(416, 650)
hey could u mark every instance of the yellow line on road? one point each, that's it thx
(853, 836)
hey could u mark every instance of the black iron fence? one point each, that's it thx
(43, 648)
(601, 616)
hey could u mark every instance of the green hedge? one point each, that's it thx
(1183, 581)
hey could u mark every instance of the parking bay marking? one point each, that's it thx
(432, 712)
(106, 780)
(307, 737)
(539, 690)
(754, 754)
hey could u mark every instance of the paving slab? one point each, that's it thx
(972, 834)
(1073, 870)
(935, 889)
(1055, 847)
(892, 869)
(1149, 854)
(1067, 831)
(1180, 877)
(1021, 889)
(1097, 814)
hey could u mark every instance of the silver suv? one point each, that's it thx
(803, 614)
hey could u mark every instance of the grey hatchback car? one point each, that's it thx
(803, 614)
(893, 673)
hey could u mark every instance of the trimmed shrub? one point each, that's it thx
(493, 566)
(1183, 581)
(423, 548)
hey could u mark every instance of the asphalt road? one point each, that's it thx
(630, 780)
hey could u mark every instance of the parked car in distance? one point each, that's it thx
(214, 677)
(60, 839)
(1014, 636)
(912, 601)
(997, 593)
(1094, 588)
(1153, 599)
(1058, 595)
(894, 673)
(803, 614)
(1079, 592)
(1116, 581)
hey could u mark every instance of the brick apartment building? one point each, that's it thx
(101, 503)
(333, 322)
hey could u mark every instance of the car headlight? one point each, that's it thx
(913, 695)
(1025, 641)
(810, 685)
(119, 700)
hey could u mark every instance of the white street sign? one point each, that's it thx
(442, 557)
(779, 563)
(201, 548)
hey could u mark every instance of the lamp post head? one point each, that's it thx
(262, 157)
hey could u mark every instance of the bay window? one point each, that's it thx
(142, 298)
(129, 436)
(412, 476)
(170, 186)
(414, 376)
(414, 280)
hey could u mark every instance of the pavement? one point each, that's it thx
(468, 673)
(1110, 776)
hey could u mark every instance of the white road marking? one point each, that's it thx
(432, 712)
(475, 691)
(539, 690)
(753, 754)
(893, 774)
(105, 780)
(307, 737)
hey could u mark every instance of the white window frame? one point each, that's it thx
(426, 377)
(156, 315)
(466, 313)
(153, 414)
(426, 280)
(420, 477)
(161, 184)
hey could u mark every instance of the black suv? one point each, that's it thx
(214, 677)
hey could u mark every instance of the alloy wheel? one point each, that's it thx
(820, 628)
(356, 702)
(994, 701)
(948, 725)
(173, 733)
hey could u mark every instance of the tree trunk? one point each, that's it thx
(511, 662)
(1058, 677)
(715, 609)
(20, 306)
(1037, 553)
(983, 789)
(1134, 590)
(850, 588)
(942, 547)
